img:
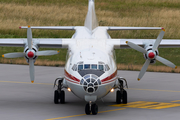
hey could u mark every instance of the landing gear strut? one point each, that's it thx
(59, 94)
(121, 94)
(91, 108)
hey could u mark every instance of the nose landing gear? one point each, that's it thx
(121, 94)
(59, 94)
(91, 108)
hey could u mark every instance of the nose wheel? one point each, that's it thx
(59, 94)
(91, 108)
(121, 94)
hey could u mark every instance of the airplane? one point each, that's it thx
(90, 71)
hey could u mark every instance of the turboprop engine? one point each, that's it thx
(151, 54)
(30, 53)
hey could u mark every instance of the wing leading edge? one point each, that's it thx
(165, 43)
(40, 42)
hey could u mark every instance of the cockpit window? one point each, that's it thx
(101, 67)
(74, 67)
(87, 66)
(107, 67)
(80, 67)
(93, 66)
(87, 77)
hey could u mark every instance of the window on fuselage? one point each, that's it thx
(107, 67)
(80, 67)
(86, 66)
(93, 66)
(74, 68)
(101, 67)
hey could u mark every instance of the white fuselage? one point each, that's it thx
(90, 71)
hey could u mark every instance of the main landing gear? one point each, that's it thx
(121, 94)
(59, 94)
(91, 108)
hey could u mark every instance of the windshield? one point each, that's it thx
(101, 66)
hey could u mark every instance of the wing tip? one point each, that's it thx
(138, 79)
(32, 81)
(163, 29)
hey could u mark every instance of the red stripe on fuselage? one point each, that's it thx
(109, 81)
(109, 77)
(72, 81)
(70, 76)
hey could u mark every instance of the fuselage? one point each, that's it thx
(90, 70)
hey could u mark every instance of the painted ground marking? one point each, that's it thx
(176, 101)
(148, 105)
(25, 82)
(83, 114)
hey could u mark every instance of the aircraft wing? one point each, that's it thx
(63, 43)
(13, 42)
(54, 42)
(41, 42)
(134, 28)
(51, 27)
(165, 43)
(109, 28)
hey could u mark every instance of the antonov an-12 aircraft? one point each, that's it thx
(90, 71)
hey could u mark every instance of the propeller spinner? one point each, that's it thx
(151, 54)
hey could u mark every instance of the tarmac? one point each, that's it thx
(155, 97)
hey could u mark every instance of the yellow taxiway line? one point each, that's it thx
(25, 82)
(153, 90)
(148, 105)
(176, 101)
(83, 114)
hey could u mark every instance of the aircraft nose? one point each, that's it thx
(90, 83)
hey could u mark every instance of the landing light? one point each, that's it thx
(69, 89)
(112, 90)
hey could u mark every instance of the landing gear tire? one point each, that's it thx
(94, 109)
(59, 94)
(121, 94)
(124, 99)
(87, 109)
(121, 97)
(118, 97)
(56, 97)
(91, 108)
(62, 97)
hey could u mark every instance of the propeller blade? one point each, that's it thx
(31, 69)
(158, 40)
(166, 62)
(46, 53)
(136, 47)
(29, 37)
(13, 55)
(143, 70)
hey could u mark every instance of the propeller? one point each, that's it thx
(30, 53)
(151, 54)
